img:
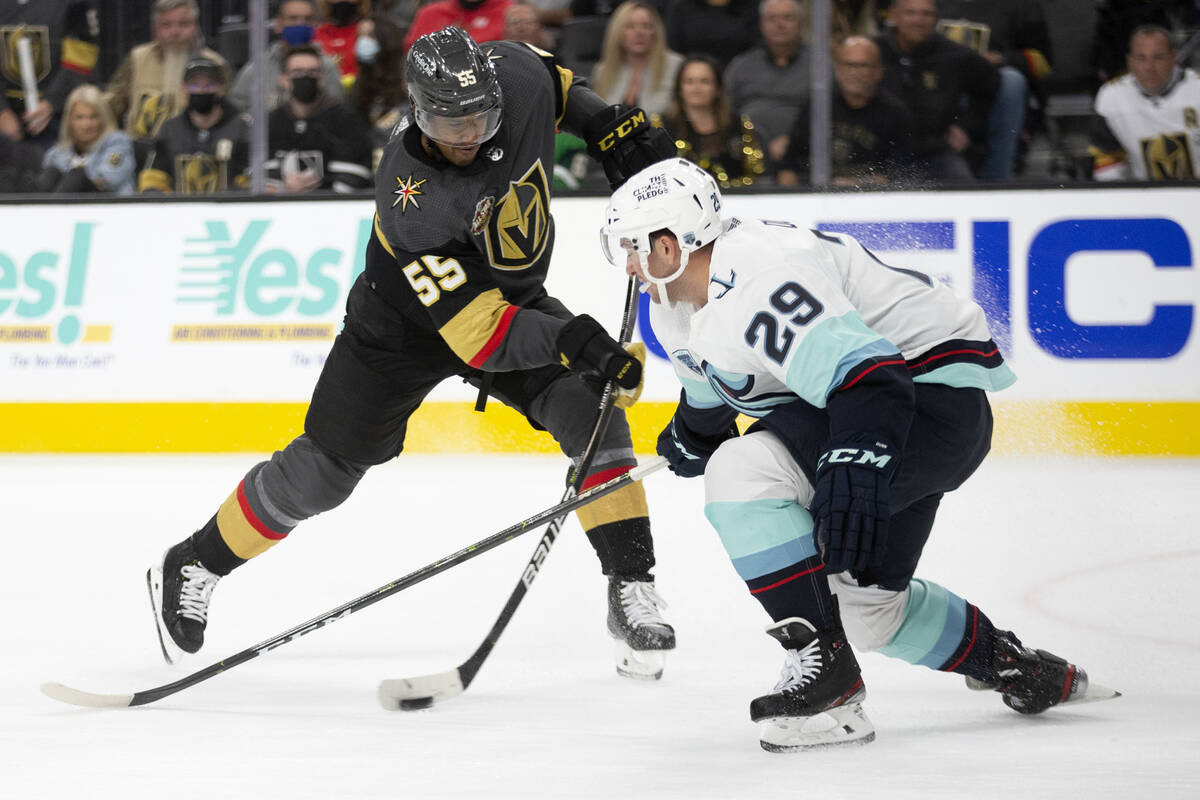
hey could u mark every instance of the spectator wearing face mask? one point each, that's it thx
(380, 94)
(206, 149)
(314, 142)
(336, 36)
(147, 88)
(293, 24)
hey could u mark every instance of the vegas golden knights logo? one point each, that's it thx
(150, 112)
(199, 173)
(1168, 157)
(520, 224)
(38, 37)
(1189, 118)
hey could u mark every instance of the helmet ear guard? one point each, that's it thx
(454, 89)
(673, 195)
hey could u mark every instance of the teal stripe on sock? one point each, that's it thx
(934, 620)
(762, 536)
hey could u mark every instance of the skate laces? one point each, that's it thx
(196, 591)
(800, 667)
(641, 603)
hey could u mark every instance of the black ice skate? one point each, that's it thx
(818, 700)
(180, 588)
(1030, 681)
(635, 622)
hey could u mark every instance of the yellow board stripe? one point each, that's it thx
(97, 333)
(1022, 427)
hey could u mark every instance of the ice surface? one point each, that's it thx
(1095, 560)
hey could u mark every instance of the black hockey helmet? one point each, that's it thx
(454, 89)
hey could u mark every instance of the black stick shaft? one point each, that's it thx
(469, 668)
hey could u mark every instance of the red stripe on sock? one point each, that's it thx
(254, 521)
(971, 644)
(1067, 683)
(597, 478)
(788, 579)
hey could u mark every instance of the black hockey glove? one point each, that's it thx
(624, 142)
(852, 502)
(686, 450)
(584, 346)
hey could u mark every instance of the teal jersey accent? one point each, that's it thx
(763, 536)
(970, 376)
(833, 347)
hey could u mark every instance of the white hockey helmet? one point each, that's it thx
(673, 195)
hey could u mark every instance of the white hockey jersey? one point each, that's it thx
(1159, 134)
(797, 313)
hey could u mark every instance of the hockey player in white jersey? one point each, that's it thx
(869, 384)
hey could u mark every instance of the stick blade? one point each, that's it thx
(413, 694)
(76, 697)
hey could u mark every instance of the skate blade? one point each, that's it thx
(642, 665)
(1094, 692)
(171, 652)
(844, 725)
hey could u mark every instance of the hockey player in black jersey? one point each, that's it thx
(453, 288)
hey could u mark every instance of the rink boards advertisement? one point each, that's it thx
(203, 326)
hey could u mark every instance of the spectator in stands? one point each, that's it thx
(701, 122)
(635, 66)
(1116, 21)
(605, 8)
(206, 148)
(380, 95)
(483, 20)
(1148, 121)
(551, 14)
(313, 141)
(147, 88)
(338, 33)
(948, 87)
(62, 37)
(521, 24)
(293, 23)
(872, 130)
(92, 154)
(1013, 35)
(722, 29)
(769, 84)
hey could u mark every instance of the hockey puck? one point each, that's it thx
(416, 703)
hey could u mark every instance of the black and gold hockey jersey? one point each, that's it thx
(465, 250)
(191, 160)
(62, 36)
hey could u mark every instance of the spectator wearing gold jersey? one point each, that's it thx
(147, 88)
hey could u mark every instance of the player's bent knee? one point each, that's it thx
(870, 615)
(752, 467)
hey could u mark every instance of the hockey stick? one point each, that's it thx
(411, 694)
(77, 697)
